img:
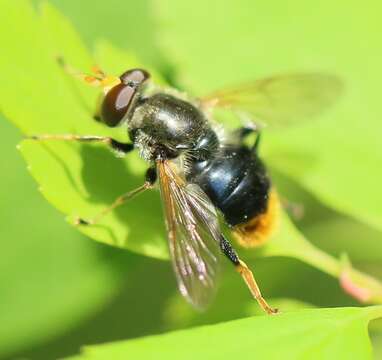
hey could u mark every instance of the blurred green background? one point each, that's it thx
(60, 290)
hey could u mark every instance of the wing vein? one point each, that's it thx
(193, 233)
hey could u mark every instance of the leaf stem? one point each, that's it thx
(361, 286)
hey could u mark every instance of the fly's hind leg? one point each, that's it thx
(150, 179)
(246, 274)
(241, 133)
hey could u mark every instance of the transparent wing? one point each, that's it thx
(193, 234)
(280, 100)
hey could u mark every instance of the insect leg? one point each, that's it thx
(255, 146)
(123, 148)
(243, 132)
(246, 274)
(150, 179)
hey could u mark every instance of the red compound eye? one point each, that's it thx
(116, 104)
(119, 99)
(134, 77)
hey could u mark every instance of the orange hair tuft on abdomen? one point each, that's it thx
(258, 230)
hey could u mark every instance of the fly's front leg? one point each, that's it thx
(150, 179)
(120, 147)
(246, 274)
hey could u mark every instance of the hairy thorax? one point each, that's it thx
(165, 123)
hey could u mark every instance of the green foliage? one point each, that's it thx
(307, 334)
(130, 25)
(83, 173)
(51, 277)
(321, 164)
(334, 158)
(88, 177)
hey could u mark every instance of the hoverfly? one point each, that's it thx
(202, 171)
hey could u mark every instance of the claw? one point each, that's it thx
(274, 312)
(80, 221)
(31, 137)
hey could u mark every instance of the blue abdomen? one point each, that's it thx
(236, 182)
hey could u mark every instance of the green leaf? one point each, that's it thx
(288, 241)
(377, 345)
(129, 25)
(330, 230)
(78, 180)
(51, 277)
(339, 333)
(337, 157)
(248, 40)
